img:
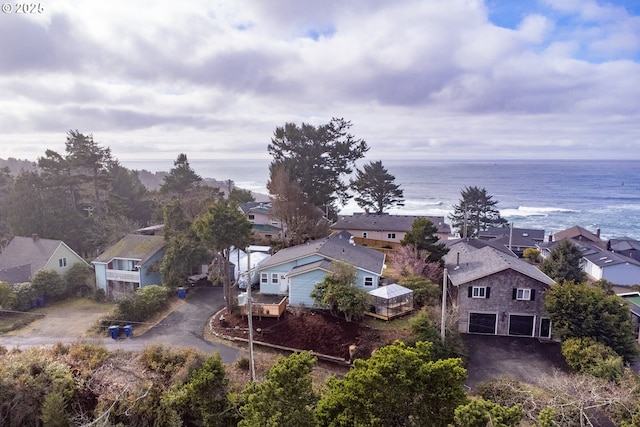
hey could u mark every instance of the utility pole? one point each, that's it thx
(250, 318)
(443, 319)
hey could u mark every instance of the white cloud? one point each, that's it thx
(435, 79)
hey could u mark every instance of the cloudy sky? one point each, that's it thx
(432, 79)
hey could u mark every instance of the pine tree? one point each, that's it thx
(376, 188)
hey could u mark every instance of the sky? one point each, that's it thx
(420, 79)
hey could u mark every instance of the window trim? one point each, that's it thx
(391, 235)
(364, 281)
(62, 262)
(479, 292)
(274, 278)
(264, 278)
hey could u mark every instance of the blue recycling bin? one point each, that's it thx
(182, 293)
(41, 302)
(114, 331)
(128, 330)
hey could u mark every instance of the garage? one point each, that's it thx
(521, 325)
(482, 323)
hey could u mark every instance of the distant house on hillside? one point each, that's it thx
(131, 263)
(496, 293)
(25, 256)
(513, 238)
(295, 271)
(384, 231)
(259, 214)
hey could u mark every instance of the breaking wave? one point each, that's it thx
(527, 211)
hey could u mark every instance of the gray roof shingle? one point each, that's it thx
(474, 264)
(332, 248)
(28, 250)
(400, 223)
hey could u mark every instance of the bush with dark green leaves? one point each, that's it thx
(49, 284)
(25, 295)
(586, 355)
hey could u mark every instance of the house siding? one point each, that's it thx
(63, 252)
(271, 288)
(301, 286)
(620, 274)
(501, 300)
(151, 277)
(101, 276)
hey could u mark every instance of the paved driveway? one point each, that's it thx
(523, 359)
(184, 327)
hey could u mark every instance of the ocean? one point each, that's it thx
(552, 195)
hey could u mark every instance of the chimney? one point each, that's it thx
(458, 259)
(598, 232)
(550, 237)
(34, 237)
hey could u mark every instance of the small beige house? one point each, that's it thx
(25, 256)
(384, 231)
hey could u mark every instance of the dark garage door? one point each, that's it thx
(482, 323)
(521, 325)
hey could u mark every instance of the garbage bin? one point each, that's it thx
(114, 331)
(128, 330)
(182, 293)
(41, 302)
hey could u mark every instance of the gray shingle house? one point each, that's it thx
(295, 271)
(496, 293)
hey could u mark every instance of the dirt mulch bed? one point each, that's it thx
(317, 331)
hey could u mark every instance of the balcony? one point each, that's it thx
(123, 276)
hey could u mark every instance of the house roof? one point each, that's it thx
(318, 265)
(19, 274)
(577, 233)
(625, 244)
(605, 259)
(332, 248)
(474, 264)
(633, 298)
(256, 207)
(401, 223)
(390, 291)
(478, 244)
(524, 234)
(133, 246)
(32, 251)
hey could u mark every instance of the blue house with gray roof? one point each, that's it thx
(295, 271)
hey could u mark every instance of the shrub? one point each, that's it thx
(7, 296)
(532, 254)
(424, 290)
(145, 303)
(243, 364)
(89, 355)
(79, 279)
(25, 294)
(49, 284)
(174, 365)
(586, 355)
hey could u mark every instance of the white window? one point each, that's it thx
(264, 278)
(479, 292)
(62, 262)
(274, 278)
(391, 235)
(364, 234)
(251, 217)
(523, 294)
(368, 281)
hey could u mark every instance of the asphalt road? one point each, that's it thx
(184, 327)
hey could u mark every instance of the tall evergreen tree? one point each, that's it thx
(92, 161)
(564, 263)
(376, 188)
(423, 237)
(317, 158)
(222, 228)
(181, 178)
(475, 212)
